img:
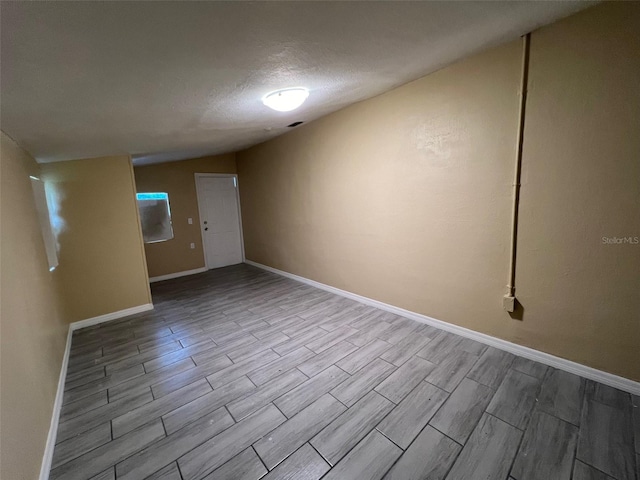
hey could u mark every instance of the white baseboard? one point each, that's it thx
(169, 276)
(47, 457)
(526, 352)
(89, 322)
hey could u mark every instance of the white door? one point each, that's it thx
(220, 220)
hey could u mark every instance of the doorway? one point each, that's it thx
(220, 219)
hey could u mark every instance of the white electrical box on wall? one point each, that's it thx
(509, 303)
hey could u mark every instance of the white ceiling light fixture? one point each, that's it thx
(286, 99)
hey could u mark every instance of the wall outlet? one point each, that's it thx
(190, 222)
(509, 303)
(193, 246)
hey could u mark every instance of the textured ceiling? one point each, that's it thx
(173, 80)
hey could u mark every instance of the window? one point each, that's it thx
(155, 217)
(44, 216)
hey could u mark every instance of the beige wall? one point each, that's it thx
(178, 180)
(102, 264)
(32, 332)
(581, 182)
(406, 197)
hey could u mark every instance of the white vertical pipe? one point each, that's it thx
(511, 286)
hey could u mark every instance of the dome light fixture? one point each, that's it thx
(286, 99)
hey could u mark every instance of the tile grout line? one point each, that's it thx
(462, 445)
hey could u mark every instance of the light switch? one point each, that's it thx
(190, 221)
(193, 245)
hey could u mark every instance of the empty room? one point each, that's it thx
(304, 240)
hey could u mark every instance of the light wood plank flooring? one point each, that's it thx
(242, 374)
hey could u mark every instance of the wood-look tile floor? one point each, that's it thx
(242, 374)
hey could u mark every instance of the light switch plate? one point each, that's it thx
(190, 221)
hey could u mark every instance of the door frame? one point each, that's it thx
(199, 176)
